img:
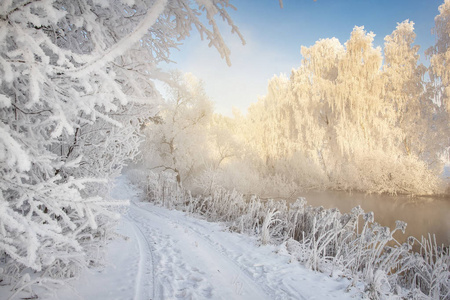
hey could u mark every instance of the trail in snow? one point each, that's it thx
(144, 286)
(170, 255)
(189, 266)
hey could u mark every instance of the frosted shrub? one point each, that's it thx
(224, 206)
(278, 185)
(428, 270)
(300, 251)
(208, 180)
(372, 260)
(269, 220)
(325, 240)
(378, 172)
(251, 220)
(305, 172)
(164, 189)
(242, 176)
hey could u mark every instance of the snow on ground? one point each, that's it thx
(170, 255)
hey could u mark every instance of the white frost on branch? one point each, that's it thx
(125, 43)
(11, 151)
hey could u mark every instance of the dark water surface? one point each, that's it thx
(422, 214)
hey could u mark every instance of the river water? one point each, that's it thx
(422, 214)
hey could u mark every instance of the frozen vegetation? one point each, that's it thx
(352, 245)
(78, 103)
(169, 254)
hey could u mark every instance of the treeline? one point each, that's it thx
(356, 122)
(351, 117)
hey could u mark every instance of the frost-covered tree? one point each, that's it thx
(440, 74)
(224, 144)
(440, 56)
(409, 104)
(343, 120)
(176, 142)
(75, 87)
(224, 148)
(404, 83)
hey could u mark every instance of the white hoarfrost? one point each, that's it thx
(76, 86)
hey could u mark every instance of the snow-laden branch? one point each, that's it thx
(124, 44)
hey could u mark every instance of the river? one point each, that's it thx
(422, 214)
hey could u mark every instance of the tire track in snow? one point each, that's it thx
(229, 278)
(143, 261)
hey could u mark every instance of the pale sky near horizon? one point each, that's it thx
(274, 37)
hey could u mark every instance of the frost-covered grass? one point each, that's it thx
(350, 245)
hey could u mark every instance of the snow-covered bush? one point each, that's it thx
(75, 88)
(428, 270)
(381, 172)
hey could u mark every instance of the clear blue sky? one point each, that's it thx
(274, 37)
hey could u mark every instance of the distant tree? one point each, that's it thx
(440, 56)
(409, 104)
(404, 84)
(224, 144)
(177, 143)
(440, 75)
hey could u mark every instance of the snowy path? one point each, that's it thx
(170, 255)
(188, 264)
